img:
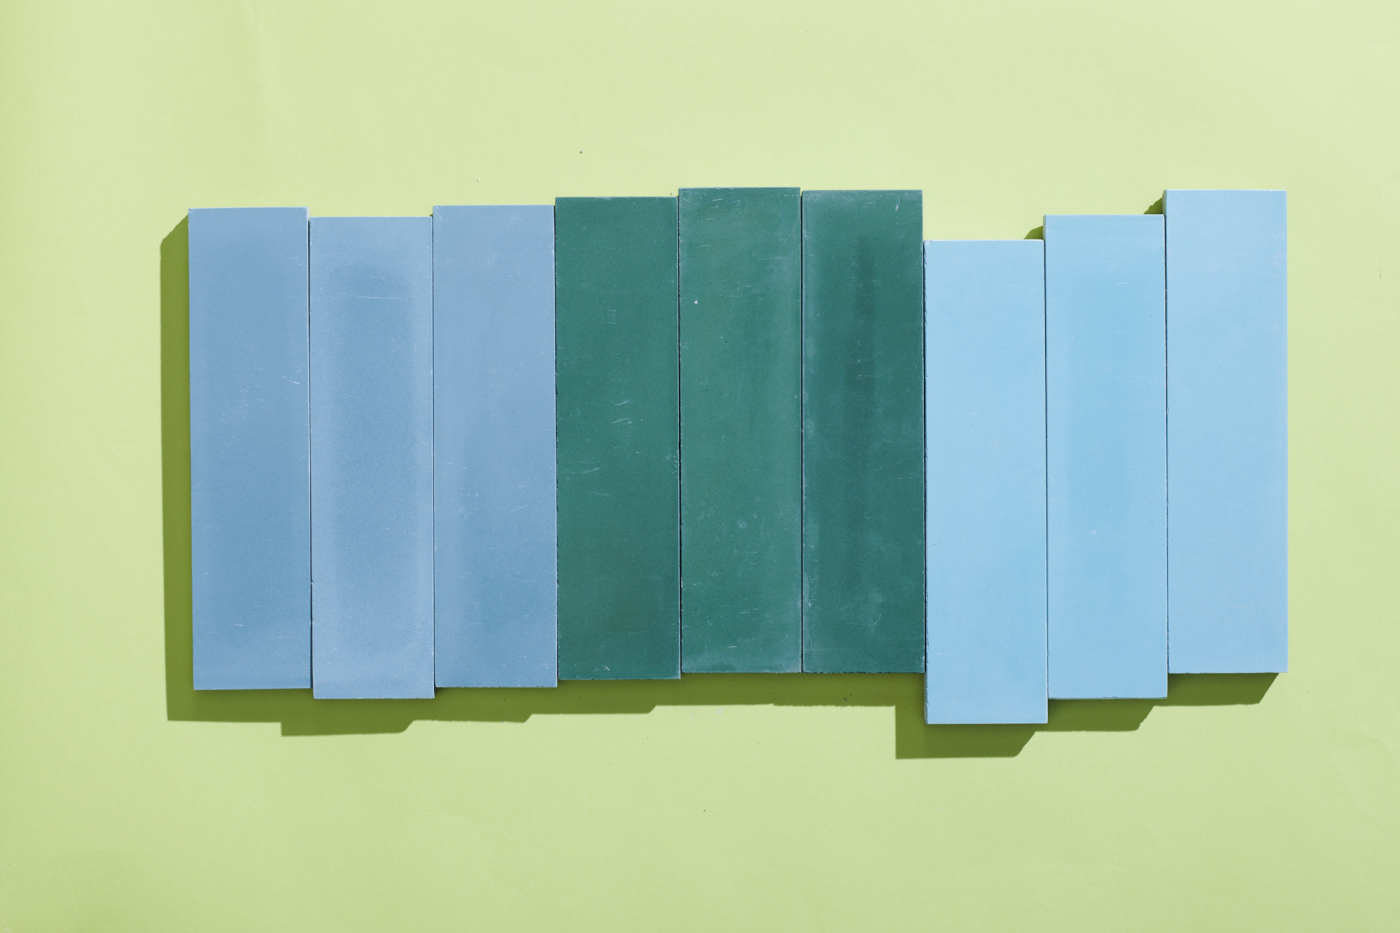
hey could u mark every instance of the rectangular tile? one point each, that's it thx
(618, 438)
(250, 548)
(1227, 431)
(741, 429)
(372, 457)
(1105, 369)
(984, 364)
(862, 431)
(493, 453)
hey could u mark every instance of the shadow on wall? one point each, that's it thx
(299, 714)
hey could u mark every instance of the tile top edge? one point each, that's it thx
(785, 189)
(393, 217)
(492, 207)
(831, 191)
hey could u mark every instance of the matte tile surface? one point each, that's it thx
(618, 438)
(493, 415)
(1227, 431)
(372, 457)
(984, 361)
(250, 548)
(862, 422)
(1106, 459)
(741, 429)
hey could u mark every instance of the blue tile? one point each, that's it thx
(1227, 437)
(1106, 458)
(493, 413)
(372, 457)
(984, 408)
(250, 544)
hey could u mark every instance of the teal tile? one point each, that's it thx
(618, 438)
(741, 429)
(862, 431)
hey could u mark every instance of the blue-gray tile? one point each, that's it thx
(372, 457)
(250, 544)
(493, 412)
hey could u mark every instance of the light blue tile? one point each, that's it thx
(372, 457)
(984, 405)
(1227, 431)
(250, 544)
(493, 412)
(1106, 458)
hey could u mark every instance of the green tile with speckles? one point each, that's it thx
(741, 429)
(862, 431)
(618, 438)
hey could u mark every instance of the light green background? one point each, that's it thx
(719, 803)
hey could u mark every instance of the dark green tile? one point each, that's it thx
(618, 443)
(741, 430)
(862, 423)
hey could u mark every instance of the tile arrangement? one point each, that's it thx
(739, 430)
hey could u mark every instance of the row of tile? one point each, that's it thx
(509, 443)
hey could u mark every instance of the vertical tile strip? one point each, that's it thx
(493, 446)
(250, 545)
(862, 431)
(984, 405)
(618, 438)
(1106, 456)
(741, 430)
(1227, 431)
(372, 457)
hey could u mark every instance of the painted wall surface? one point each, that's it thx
(720, 801)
